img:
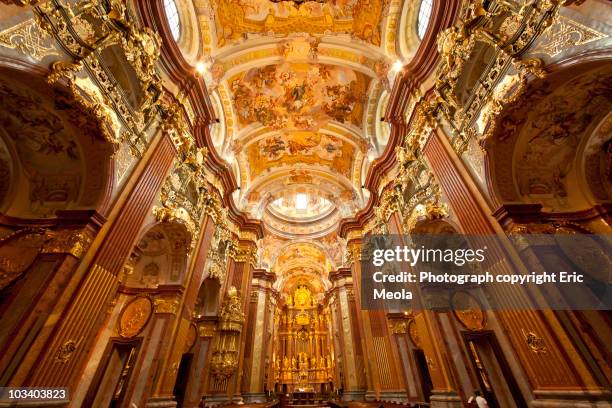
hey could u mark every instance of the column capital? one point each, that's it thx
(340, 273)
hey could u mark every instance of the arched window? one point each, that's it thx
(173, 18)
(423, 18)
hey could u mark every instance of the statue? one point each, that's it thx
(313, 362)
(232, 310)
(285, 363)
(322, 362)
(293, 363)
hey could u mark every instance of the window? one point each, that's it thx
(173, 18)
(301, 201)
(423, 18)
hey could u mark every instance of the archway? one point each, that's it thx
(160, 257)
(52, 153)
(551, 146)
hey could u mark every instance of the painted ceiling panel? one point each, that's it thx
(299, 96)
(361, 18)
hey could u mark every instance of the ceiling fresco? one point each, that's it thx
(298, 89)
(305, 256)
(360, 18)
(300, 147)
(299, 96)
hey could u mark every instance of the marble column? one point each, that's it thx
(260, 334)
(349, 343)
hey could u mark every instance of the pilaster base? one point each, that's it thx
(254, 397)
(161, 402)
(354, 395)
(214, 400)
(445, 400)
(572, 399)
(394, 396)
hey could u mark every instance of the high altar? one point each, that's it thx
(303, 358)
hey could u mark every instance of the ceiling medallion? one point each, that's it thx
(298, 3)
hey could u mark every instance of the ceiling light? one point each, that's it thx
(398, 66)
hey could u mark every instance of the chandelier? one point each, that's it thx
(298, 3)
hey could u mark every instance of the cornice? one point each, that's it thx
(524, 213)
(262, 274)
(63, 219)
(406, 83)
(340, 274)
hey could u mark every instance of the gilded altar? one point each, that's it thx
(303, 358)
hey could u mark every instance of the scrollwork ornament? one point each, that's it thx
(29, 39)
(398, 326)
(224, 360)
(22, 3)
(65, 351)
(534, 342)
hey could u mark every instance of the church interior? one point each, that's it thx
(202, 244)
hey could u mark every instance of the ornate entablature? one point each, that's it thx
(19, 249)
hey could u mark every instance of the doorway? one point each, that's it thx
(109, 386)
(494, 376)
(180, 386)
(423, 371)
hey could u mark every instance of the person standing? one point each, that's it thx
(477, 401)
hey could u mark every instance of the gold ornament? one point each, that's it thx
(134, 317)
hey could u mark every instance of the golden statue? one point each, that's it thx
(302, 296)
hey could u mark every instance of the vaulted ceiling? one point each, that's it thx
(299, 88)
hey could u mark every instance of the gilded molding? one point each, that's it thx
(206, 329)
(166, 305)
(565, 33)
(246, 254)
(70, 242)
(29, 39)
(85, 29)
